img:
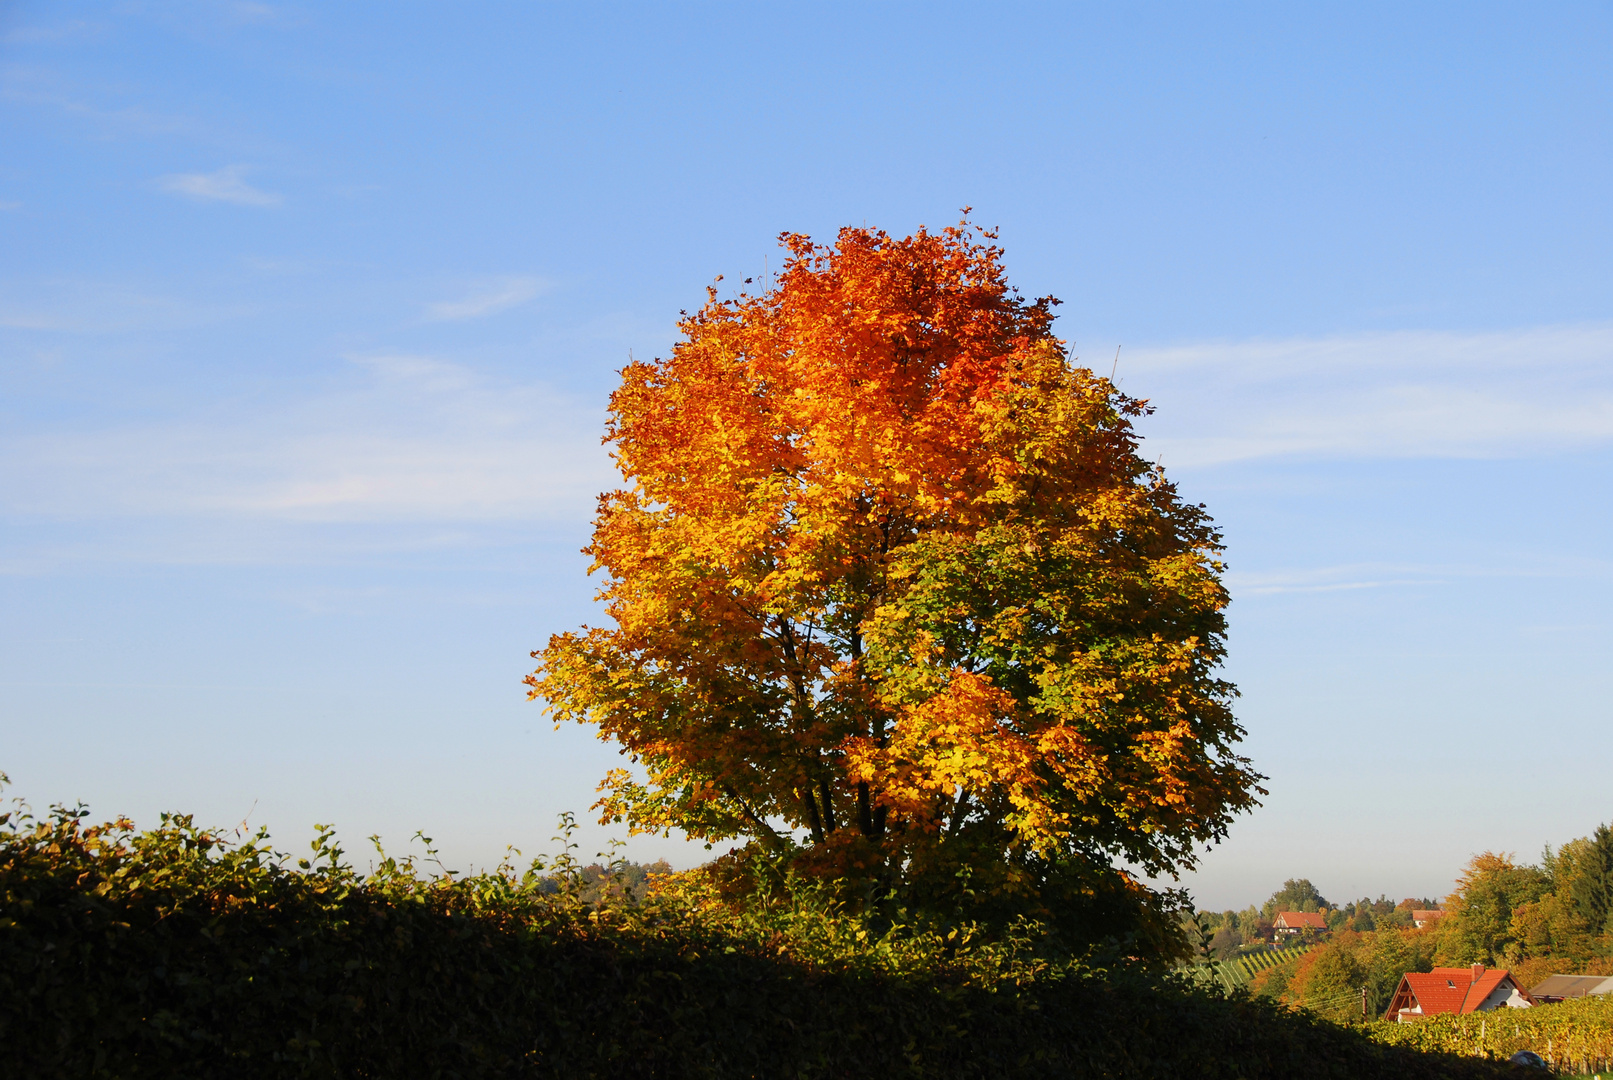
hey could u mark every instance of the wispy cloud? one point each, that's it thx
(251, 12)
(27, 35)
(49, 89)
(1415, 394)
(225, 185)
(408, 438)
(1372, 575)
(10, 205)
(411, 439)
(90, 306)
(505, 293)
(12, 318)
(1338, 579)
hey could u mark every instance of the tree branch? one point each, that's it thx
(960, 810)
(764, 831)
(828, 804)
(814, 822)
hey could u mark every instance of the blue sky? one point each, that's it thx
(308, 315)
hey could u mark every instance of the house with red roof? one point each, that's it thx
(1455, 990)
(1421, 917)
(1289, 923)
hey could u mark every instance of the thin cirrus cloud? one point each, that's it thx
(28, 35)
(100, 307)
(489, 300)
(225, 185)
(1420, 394)
(1354, 576)
(411, 439)
(1341, 578)
(414, 439)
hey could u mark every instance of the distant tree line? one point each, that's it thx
(1231, 932)
(600, 883)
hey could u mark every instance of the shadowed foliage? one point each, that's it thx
(174, 952)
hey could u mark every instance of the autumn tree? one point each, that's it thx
(1297, 894)
(892, 594)
(1224, 945)
(1588, 879)
(1572, 922)
(1330, 979)
(1480, 928)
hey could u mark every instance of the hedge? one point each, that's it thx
(176, 952)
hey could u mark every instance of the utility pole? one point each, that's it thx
(1363, 1002)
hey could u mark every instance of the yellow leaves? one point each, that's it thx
(956, 741)
(964, 743)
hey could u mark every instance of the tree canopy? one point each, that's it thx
(1297, 894)
(1503, 912)
(892, 594)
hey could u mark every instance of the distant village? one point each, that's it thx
(1475, 988)
(1511, 936)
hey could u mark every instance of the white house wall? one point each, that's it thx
(1506, 995)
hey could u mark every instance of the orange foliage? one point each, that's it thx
(888, 574)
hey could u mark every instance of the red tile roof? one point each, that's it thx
(1447, 990)
(1421, 916)
(1298, 920)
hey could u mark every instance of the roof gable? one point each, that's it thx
(1301, 920)
(1482, 988)
(1452, 990)
(1440, 990)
